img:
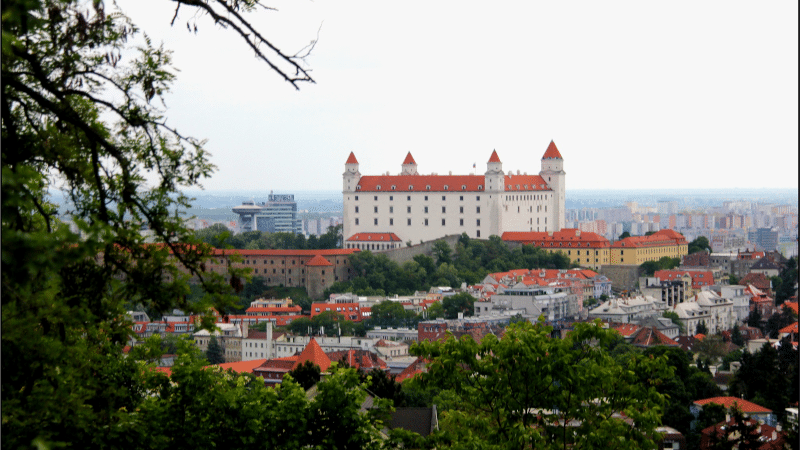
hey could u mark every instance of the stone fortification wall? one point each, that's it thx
(403, 254)
(623, 277)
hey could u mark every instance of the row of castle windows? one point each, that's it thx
(391, 222)
(408, 198)
(425, 209)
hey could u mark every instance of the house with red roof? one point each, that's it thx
(636, 250)
(762, 436)
(419, 207)
(755, 411)
(584, 248)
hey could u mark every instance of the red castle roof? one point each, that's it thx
(352, 159)
(729, 402)
(313, 352)
(375, 237)
(409, 159)
(552, 152)
(494, 158)
(318, 261)
(561, 238)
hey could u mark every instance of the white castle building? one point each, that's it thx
(418, 207)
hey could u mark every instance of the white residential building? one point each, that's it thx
(628, 310)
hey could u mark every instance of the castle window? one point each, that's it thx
(442, 222)
(391, 197)
(426, 222)
(426, 198)
(426, 210)
(509, 187)
(409, 222)
(376, 209)
(443, 210)
(378, 187)
(443, 197)
(478, 210)
(408, 209)
(410, 188)
(408, 198)
(461, 222)
(356, 209)
(356, 198)
(428, 187)
(376, 197)
(391, 210)
(358, 188)
(356, 220)
(445, 187)
(463, 187)
(478, 223)
(480, 186)
(376, 221)
(391, 221)
(517, 187)
(461, 198)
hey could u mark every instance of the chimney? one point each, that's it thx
(727, 417)
(269, 340)
(774, 435)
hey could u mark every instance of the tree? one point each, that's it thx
(736, 336)
(698, 245)
(702, 328)
(625, 234)
(754, 319)
(442, 252)
(215, 354)
(733, 280)
(528, 390)
(435, 311)
(711, 348)
(306, 374)
(458, 303)
(81, 114)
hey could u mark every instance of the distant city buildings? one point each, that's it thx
(278, 214)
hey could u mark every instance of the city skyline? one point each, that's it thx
(634, 95)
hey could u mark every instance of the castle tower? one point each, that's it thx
(553, 173)
(351, 174)
(409, 166)
(493, 187)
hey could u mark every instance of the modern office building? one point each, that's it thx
(278, 214)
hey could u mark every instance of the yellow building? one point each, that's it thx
(636, 250)
(583, 248)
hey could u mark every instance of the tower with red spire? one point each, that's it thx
(553, 173)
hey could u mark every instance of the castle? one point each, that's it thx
(412, 207)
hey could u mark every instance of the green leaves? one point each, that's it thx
(530, 390)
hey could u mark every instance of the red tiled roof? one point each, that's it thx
(318, 261)
(375, 237)
(552, 152)
(757, 279)
(313, 352)
(728, 402)
(791, 305)
(525, 183)
(494, 158)
(649, 336)
(657, 239)
(420, 183)
(699, 277)
(562, 238)
(409, 159)
(241, 366)
(789, 329)
(625, 329)
(352, 159)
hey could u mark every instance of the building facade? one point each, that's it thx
(278, 214)
(418, 207)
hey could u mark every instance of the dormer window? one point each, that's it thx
(358, 188)
(410, 187)
(445, 187)
(378, 187)
(509, 187)
(480, 186)
(394, 187)
(428, 187)
(517, 187)
(463, 187)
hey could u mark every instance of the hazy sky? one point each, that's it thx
(634, 94)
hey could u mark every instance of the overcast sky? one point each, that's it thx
(648, 95)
